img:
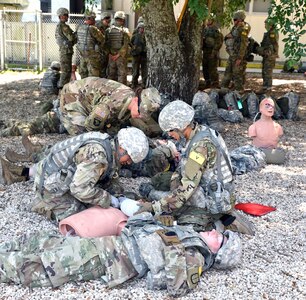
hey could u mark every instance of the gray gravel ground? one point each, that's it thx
(274, 260)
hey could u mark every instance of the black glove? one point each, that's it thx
(145, 189)
(227, 219)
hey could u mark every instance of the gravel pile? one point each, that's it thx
(273, 264)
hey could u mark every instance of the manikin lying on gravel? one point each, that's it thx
(180, 254)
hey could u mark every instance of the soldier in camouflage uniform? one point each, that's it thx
(78, 171)
(236, 43)
(212, 42)
(202, 186)
(102, 26)
(90, 45)
(117, 41)
(180, 256)
(103, 104)
(92, 104)
(269, 51)
(139, 56)
(49, 82)
(65, 38)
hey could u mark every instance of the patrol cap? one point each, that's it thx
(134, 142)
(62, 11)
(230, 253)
(106, 15)
(150, 100)
(239, 15)
(140, 20)
(176, 115)
(119, 15)
(55, 64)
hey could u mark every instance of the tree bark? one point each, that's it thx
(174, 57)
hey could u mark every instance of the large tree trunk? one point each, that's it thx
(174, 57)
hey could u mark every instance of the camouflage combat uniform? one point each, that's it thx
(104, 54)
(47, 123)
(97, 103)
(117, 42)
(202, 186)
(50, 260)
(90, 45)
(81, 100)
(269, 51)
(236, 45)
(139, 58)
(67, 179)
(212, 42)
(65, 38)
(49, 82)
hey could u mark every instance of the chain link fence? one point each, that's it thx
(27, 39)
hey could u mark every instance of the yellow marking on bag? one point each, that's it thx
(197, 157)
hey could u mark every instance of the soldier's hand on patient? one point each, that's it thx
(143, 207)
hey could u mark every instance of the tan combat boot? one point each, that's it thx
(11, 173)
(13, 156)
(29, 146)
(241, 224)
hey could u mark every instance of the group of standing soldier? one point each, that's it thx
(102, 48)
(237, 45)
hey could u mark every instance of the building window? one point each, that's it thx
(258, 6)
(45, 6)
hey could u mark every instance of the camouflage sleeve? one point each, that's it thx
(218, 41)
(98, 35)
(202, 155)
(274, 41)
(91, 164)
(69, 34)
(243, 31)
(125, 48)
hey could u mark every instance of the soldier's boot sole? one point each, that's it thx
(29, 146)
(10, 173)
(241, 224)
(13, 156)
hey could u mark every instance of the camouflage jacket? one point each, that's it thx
(75, 166)
(49, 82)
(65, 37)
(79, 99)
(212, 39)
(138, 42)
(270, 43)
(199, 182)
(239, 37)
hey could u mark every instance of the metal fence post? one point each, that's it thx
(40, 56)
(2, 38)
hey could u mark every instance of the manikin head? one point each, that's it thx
(267, 107)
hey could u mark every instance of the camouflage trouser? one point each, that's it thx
(268, 64)
(66, 68)
(47, 123)
(234, 73)
(117, 70)
(210, 68)
(149, 126)
(104, 65)
(44, 259)
(138, 62)
(90, 65)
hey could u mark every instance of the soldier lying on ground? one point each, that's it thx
(202, 190)
(180, 256)
(80, 171)
(265, 133)
(95, 104)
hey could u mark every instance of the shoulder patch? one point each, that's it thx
(197, 157)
